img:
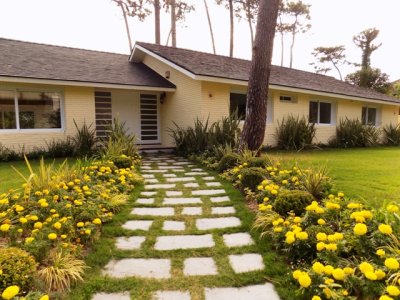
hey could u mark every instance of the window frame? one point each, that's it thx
(293, 98)
(332, 112)
(17, 122)
(367, 108)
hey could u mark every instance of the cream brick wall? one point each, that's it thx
(182, 106)
(78, 105)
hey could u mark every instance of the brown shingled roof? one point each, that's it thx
(39, 61)
(206, 64)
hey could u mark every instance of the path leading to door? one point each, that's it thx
(186, 235)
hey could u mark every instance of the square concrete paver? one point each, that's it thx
(208, 178)
(252, 292)
(173, 193)
(208, 192)
(223, 210)
(139, 267)
(159, 186)
(145, 167)
(113, 296)
(177, 170)
(154, 171)
(180, 201)
(167, 167)
(213, 184)
(148, 194)
(174, 242)
(169, 175)
(151, 180)
(171, 295)
(199, 266)
(248, 262)
(153, 211)
(220, 199)
(191, 185)
(239, 239)
(192, 211)
(138, 225)
(195, 173)
(181, 179)
(217, 223)
(145, 201)
(197, 170)
(174, 225)
(129, 243)
(148, 176)
(182, 163)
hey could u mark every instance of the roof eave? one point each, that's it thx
(15, 79)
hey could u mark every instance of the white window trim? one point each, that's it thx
(333, 112)
(293, 100)
(35, 130)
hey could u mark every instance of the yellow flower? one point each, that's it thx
(304, 280)
(348, 270)
(360, 229)
(380, 274)
(296, 274)
(5, 227)
(19, 208)
(297, 220)
(278, 229)
(339, 274)
(393, 290)
(353, 205)
(290, 239)
(318, 267)
(45, 297)
(80, 224)
(63, 236)
(380, 252)
(331, 205)
(340, 195)
(327, 292)
(392, 263)
(385, 229)
(52, 236)
(385, 297)
(38, 225)
(331, 246)
(321, 236)
(316, 298)
(97, 221)
(366, 267)
(392, 208)
(328, 269)
(321, 222)
(10, 292)
(29, 240)
(329, 281)
(57, 225)
(371, 275)
(320, 246)
(88, 231)
(23, 220)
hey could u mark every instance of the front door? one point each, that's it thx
(149, 121)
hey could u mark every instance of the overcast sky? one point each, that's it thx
(98, 25)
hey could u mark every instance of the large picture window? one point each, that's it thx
(368, 115)
(30, 110)
(320, 112)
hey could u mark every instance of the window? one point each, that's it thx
(30, 110)
(368, 116)
(320, 112)
(238, 105)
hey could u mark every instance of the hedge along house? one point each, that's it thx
(44, 89)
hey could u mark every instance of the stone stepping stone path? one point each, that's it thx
(184, 226)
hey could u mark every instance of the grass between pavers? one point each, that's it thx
(371, 174)
(276, 271)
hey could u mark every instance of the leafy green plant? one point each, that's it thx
(85, 140)
(295, 133)
(62, 270)
(228, 161)
(7, 154)
(59, 148)
(315, 181)
(292, 201)
(391, 134)
(18, 268)
(352, 133)
(251, 177)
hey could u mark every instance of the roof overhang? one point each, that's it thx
(83, 84)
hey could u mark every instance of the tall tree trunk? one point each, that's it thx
(257, 94)
(173, 22)
(210, 26)
(291, 48)
(126, 26)
(168, 37)
(232, 29)
(157, 25)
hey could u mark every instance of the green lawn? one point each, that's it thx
(9, 179)
(372, 174)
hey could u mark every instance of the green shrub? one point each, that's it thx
(59, 148)
(391, 135)
(228, 161)
(7, 154)
(18, 268)
(123, 162)
(292, 201)
(295, 133)
(84, 140)
(316, 182)
(352, 133)
(258, 162)
(251, 177)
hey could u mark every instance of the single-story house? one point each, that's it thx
(44, 89)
